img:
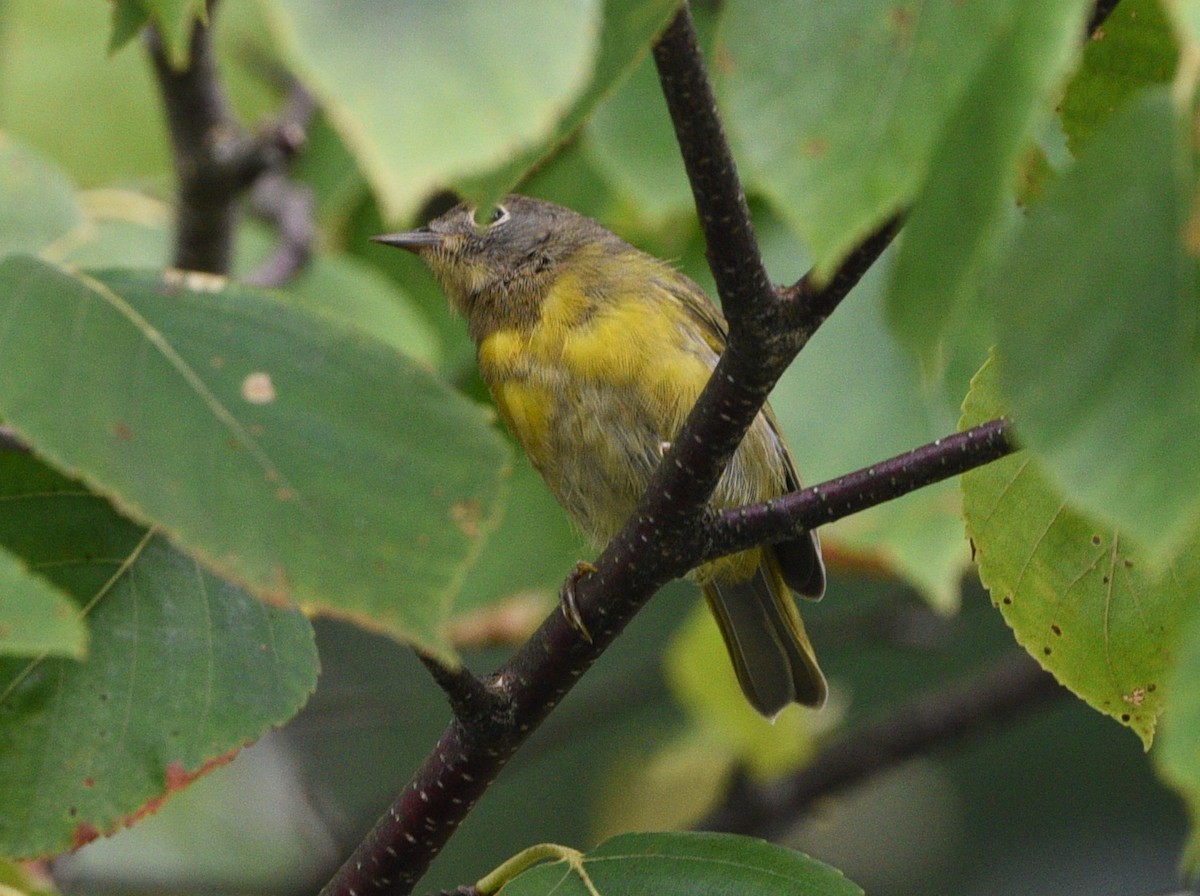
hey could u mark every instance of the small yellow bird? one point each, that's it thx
(595, 353)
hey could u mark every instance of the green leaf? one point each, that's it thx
(417, 116)
(952, 239)
(1099, 330)
(21, 881)
(37, 200)
(628, 29)
(1186, 18)
(342, 288)
(127, 229)
(36, 618)
(329, 169)
(836, 108)
(1133, 49)
(678, 863)
(305, 461)
(532, 550)
(182, 670)
(630, 139)
(1079, 596)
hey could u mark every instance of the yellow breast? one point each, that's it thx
(594, 389)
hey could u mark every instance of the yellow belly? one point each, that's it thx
(594, 398)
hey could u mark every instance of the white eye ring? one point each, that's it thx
(499, 215)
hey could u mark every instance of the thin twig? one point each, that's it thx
(290, 207)
(807, 304)
(779, 519)
(1016, 685)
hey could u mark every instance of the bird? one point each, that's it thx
(594, 353)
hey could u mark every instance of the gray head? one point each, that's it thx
(497, 271)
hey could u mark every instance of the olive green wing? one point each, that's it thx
(697, 306)
(799, 558)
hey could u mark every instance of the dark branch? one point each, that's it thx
(289, 206)
(1014, 686)
(215, 160)
(472, 751)
(808, 304)
(210, 156)
(732, 246)
(474, 702)
(659, 542)
(777, 520)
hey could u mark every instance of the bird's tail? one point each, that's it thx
(771, 653)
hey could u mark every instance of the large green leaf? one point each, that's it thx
(630, 139)
(669, 864)
(183, 669)
(53, 69)
(532, 550)
(417, 115)
(1099, 330)
(305, 461)
(836, 108)
(1083, 600)
(122, 228)
(951, 240)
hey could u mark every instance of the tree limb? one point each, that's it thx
(1017, 684)
(779, 519)
(472, 751)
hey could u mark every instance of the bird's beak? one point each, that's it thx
(411, 240)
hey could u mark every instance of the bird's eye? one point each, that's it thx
(499, 215)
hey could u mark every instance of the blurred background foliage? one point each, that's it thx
(429, 97)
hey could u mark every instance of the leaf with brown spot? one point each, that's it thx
(1115, 624)
(311, 465)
